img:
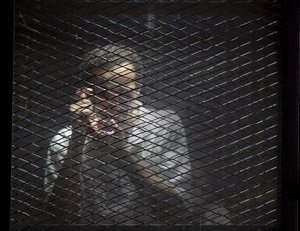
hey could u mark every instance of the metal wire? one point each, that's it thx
(209, 74)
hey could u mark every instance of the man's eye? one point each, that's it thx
(124, 90)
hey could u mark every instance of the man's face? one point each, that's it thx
(114, 94)
(118, 83)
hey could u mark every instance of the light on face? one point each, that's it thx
(117, 83)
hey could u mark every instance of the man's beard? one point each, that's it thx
(115, 127)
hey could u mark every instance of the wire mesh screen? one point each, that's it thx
(146, 112)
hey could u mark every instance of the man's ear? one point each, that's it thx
(136, 88)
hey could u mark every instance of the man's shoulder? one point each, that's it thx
(159, 112)
(62, 136)
(160, 116)
(64, 132)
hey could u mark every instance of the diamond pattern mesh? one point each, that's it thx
(200, 144)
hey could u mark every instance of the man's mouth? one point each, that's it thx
(104, 127)
(106, 117)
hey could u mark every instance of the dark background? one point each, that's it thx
(216, 64)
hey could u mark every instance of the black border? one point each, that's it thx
(7, 48)
(290, 100)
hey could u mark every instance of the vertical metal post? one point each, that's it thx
(290, 159)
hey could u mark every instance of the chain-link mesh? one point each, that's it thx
(182, 113)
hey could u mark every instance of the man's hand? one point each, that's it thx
(83, 109)
(83, 106)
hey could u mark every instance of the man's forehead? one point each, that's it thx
(122, 73)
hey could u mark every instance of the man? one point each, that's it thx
(132, 162)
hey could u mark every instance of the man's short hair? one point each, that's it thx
(111, 55)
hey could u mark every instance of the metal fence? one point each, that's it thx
(206, 141)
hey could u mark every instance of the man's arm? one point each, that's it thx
(55, 157)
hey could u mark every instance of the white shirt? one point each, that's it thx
(108, 195)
